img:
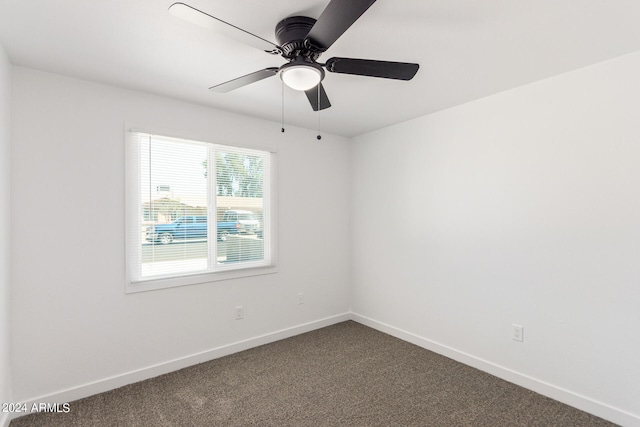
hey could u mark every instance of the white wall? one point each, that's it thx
(5, 227)
(72, 322)
(523, 207)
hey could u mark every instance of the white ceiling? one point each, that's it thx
(467, 49)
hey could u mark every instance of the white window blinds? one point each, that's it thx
(195, 208)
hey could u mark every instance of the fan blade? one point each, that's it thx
(312, 95)
(205, 20)
(244, 80)
(336, 18)
(372, 68)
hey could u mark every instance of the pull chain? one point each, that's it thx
(319, 136)
(282, 129)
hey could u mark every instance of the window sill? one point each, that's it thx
(155, 284)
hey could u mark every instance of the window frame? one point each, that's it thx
(133, 238)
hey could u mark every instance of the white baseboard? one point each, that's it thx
(568, 397)
(106, 384)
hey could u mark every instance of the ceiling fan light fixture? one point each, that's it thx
(301, 76)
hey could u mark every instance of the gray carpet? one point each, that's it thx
(343, 375)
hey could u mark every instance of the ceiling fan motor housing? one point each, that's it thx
(290, 35)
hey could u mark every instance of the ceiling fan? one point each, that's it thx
(301, 41)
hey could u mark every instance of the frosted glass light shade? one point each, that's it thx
(301, 77)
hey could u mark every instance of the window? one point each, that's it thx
(196, 212)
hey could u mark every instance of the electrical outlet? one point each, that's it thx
(300, 298)
(517, 332)
(239, 312)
